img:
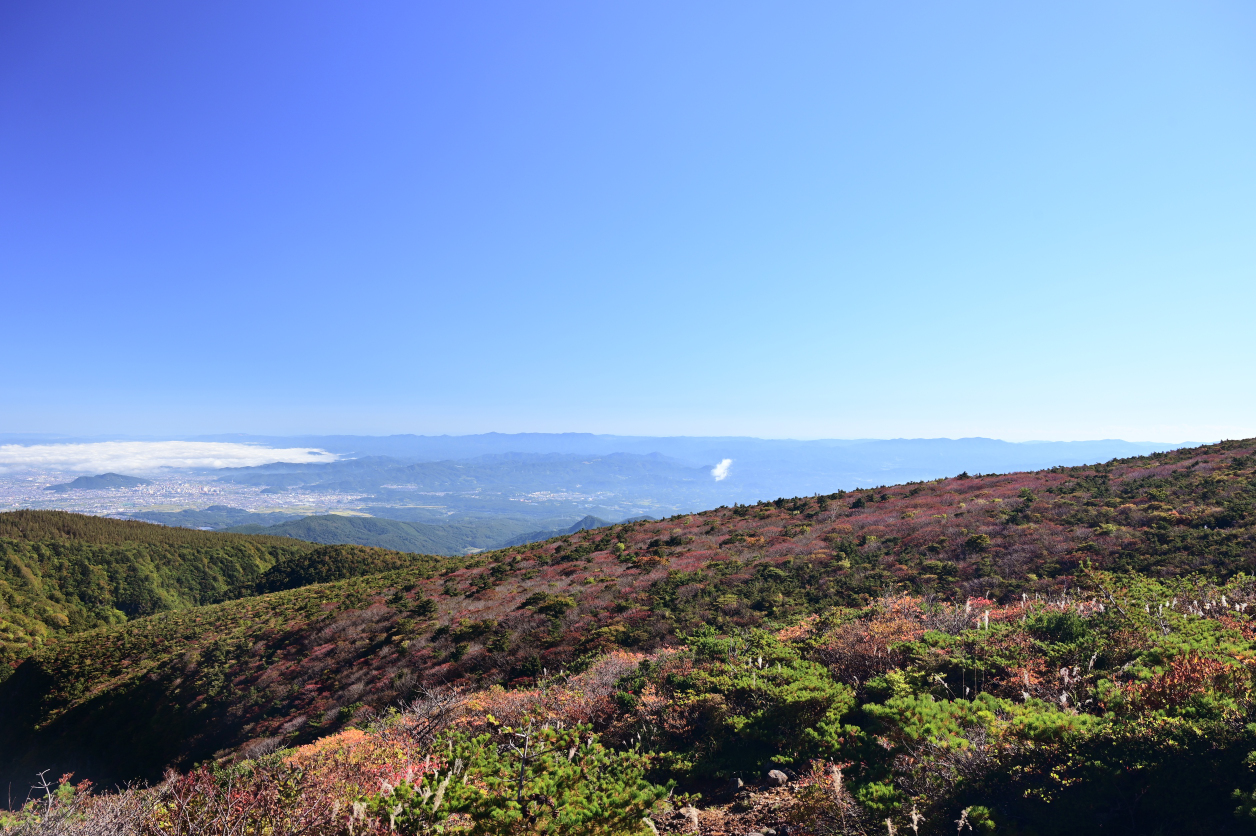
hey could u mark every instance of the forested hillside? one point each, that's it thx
(445, 538)
(64, 573)
(59, 525)
(1062, 651)
(214, 518)
(588, 521)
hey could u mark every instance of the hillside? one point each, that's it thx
(324, 564)
(456, 536)
(589, 521)
(445, 538)
(298, 664)
(34, 526)
(215, 517)
(64, 573)
(101, 482)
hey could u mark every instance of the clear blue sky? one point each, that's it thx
(775, 219)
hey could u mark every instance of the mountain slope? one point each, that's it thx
(63, 573)
(214, 518)
(324, 564)
(62, 526)
(446, 538)
(589, 521)
(96, 483)
(297, 664)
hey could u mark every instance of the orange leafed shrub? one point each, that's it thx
(345, 741)
(583, 698)
(1187, 677)
(799, 630)
(861, 649)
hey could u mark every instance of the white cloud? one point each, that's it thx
(720, 471)
(132, 457)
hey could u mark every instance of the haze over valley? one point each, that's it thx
(461, 494)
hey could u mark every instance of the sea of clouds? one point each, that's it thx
(147, 457)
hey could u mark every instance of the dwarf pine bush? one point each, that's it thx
(743, 706)
(532, 780)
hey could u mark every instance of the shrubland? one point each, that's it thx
(1064, 651)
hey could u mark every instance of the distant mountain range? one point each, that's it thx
(446, 539)
(518, 472)
(457, 494)
(761, 468)
(659, 476)
(452, 538)
(96, 483)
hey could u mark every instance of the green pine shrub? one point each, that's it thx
(527, 781)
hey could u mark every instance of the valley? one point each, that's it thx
(998, 644)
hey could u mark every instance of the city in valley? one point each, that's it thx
(197, 491)
(166, 493)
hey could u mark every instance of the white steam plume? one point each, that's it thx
(149, 456)
(720, 471)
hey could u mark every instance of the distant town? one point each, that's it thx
(198, 491)
(174, 493)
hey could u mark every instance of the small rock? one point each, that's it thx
(767, 831)
(777, 778)
(754, 833)
(735, 784)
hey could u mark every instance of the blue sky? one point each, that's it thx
(783, 220)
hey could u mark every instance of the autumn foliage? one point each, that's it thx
(1063, 651)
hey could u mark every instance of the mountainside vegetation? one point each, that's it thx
(586, 522)
(385, 528)
(324, 564)
(456, 537)
(64, 573)
(36, 526)
(1063, 651)
(214, 518)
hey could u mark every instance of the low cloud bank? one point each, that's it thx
(132, 457)
(720, 471)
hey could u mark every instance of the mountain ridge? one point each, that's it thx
(454, 537)
(587, 522)
(63, 573)
(102, 481)
(510, 615)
